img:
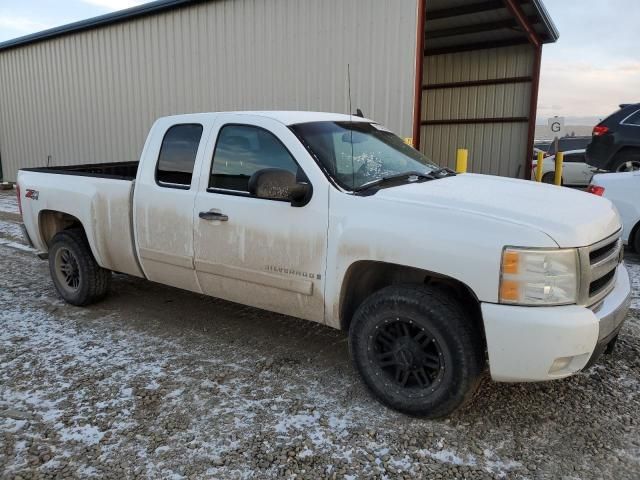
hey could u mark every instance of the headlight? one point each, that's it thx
(539, 277)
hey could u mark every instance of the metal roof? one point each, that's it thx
(101, 21)
(495, 11)
(453, 25)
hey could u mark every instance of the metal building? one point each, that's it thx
(447, 73)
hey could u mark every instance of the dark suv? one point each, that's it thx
(615, 144)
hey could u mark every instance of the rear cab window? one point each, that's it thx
(178, 155)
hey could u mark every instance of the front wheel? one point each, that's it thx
(75, 273)
(417, 350)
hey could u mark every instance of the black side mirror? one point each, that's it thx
(279, 184)
(300, 194)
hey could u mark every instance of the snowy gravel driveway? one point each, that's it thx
(159, 383)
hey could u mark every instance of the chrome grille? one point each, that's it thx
(598, 264)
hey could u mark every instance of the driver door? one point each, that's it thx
(256, 251)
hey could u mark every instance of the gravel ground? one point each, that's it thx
(159, 383)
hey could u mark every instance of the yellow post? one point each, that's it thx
(539, 167)
(462, 155)
(559, 160)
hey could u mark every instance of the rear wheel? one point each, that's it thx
(77, 277)
(417, 350)
(626, 162)
(549, 177)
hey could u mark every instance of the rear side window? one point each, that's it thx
(574, 158)
(241, 151)
(633, 119)
(571, 143)
(178, 155)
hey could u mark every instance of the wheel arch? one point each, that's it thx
(51, 222)
(621, 153)
(366, 277)
(631, 241)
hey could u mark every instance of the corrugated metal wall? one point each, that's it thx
(91, 96)
(494, 148)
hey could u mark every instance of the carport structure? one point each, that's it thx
(478, 87)
(446, 73)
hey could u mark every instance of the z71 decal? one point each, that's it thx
(32, 194)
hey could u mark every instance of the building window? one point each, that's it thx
(241, 151)
(178, 155)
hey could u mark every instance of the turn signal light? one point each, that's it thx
(510, 291)
(510, 260)
(600, 130)
(596, 190)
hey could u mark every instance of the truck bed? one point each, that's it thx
(97, 196)
(116, 170)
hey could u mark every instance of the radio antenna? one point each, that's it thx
(353, 173)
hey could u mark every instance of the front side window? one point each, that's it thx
(243, 150)
(358, 153)
(178, 155)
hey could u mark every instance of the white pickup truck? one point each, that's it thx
(333, 219)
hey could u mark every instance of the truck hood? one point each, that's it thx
(570, 217)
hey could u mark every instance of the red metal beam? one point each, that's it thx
(533, 107)
(429, 52)
(516, 10)
(417, 90)
(478, 83)
(473, 121)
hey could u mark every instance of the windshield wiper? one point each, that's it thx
(442, 172)
(406, 176)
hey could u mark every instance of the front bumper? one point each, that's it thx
(528, 344)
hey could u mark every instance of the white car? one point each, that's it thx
(623, 189)
(335, 220)
(575, 172)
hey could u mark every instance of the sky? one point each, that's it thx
(595, 65)
(592, 68)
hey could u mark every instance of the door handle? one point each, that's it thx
(221, 217)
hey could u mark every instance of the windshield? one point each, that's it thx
(358, 153)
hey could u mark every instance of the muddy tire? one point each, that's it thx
(417, 350)
(77, 277)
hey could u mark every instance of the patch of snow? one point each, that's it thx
(497, 466)
(297, 422)
(403, 463)
(87, 434)
(16, 245)
(176, 393)
(634, 275)
(448, 456)
(9, 203)
(305, 453)
(10, 229)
